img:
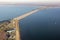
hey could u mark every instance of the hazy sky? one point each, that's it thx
(29, 0)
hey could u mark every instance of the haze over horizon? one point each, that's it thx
(29, 1)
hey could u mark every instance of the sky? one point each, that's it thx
(29, 1)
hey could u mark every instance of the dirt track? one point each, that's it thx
(2, 35)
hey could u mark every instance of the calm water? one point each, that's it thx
(44, 25)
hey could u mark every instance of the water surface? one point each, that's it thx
(43, 25)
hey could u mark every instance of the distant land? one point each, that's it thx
(32, 3)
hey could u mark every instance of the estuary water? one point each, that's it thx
(43, 25)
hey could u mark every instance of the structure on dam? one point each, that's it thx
(9, 29)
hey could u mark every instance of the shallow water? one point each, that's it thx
(44, 25)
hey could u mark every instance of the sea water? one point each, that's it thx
(43, 25)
